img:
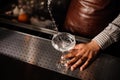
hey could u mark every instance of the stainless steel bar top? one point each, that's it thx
(39, 51)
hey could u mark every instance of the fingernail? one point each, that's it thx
(81, 69)
(66, 65)
(72, 68)
(62, 57)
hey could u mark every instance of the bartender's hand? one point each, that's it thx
(82, 55)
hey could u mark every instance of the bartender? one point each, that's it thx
(95, 19)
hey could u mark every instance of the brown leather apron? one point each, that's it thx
(89, 17)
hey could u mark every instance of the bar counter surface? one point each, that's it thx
(29, 57)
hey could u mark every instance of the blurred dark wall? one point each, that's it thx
(6, 4)
(59, 9)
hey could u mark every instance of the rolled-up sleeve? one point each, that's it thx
(109, 35)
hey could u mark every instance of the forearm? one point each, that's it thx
(109, 35)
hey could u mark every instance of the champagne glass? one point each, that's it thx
(63, 42)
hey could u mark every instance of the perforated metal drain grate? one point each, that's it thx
(31, 49)
(39, 51)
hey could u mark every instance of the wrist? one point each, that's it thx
(95, 45)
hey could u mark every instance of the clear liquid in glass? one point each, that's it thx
(63, 41)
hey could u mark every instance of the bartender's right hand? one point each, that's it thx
(82, 55)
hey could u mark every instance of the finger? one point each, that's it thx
(80, 52)
(71, 54)
(88, 62)
(78, 63)
(79, 46)
(85, 65)
(73, 60)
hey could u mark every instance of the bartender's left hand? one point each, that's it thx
(82, 55)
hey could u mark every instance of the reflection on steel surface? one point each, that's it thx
(34, 50)
(39, 51)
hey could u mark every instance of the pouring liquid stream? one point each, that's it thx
(61, 41)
